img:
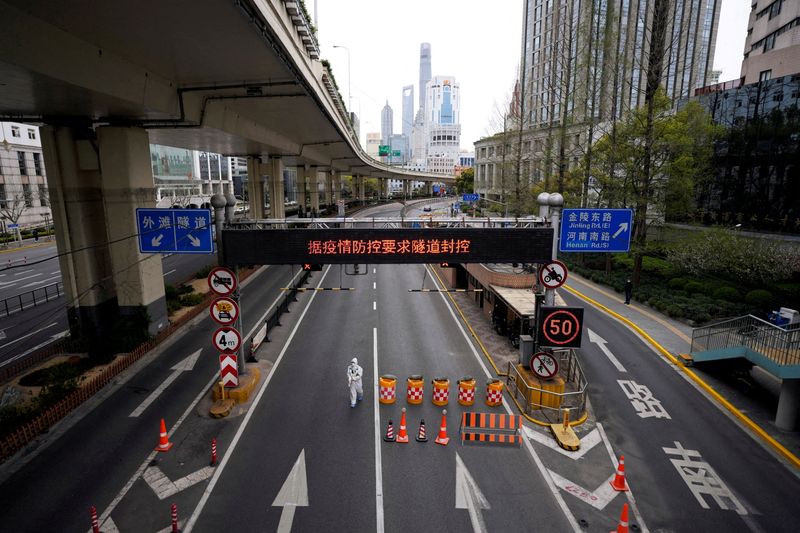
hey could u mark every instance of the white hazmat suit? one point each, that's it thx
(354, 373)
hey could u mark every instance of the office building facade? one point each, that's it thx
(772, 45)
(387, 123)
(24, 196)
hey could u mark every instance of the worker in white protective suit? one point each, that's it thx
(354, 373)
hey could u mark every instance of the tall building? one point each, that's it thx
(443, 128)
(408, 110)
(387, 126)
(424, 70)
(772, 46)
(24, 197)
(584, 64)
(373, 143)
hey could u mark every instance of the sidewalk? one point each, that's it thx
(759, 405)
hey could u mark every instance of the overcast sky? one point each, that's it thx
(474, 41)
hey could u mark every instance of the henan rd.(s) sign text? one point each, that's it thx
(387, 245)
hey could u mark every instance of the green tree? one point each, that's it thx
(466, 180)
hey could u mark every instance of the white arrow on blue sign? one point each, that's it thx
(177, 231)
(470, 197)
(596, 230)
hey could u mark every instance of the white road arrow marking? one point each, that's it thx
(108, 526)
(598, 499)
(164, 487)
(469, 496)
(7, 283)
(2, 334)
(195, 241)
(156, 241)
(293, 493)
(622, 227)
(587, 442)
(601, 343)
(184, 366)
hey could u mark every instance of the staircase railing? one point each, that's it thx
(780, 344)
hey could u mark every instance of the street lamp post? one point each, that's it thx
(349, 94)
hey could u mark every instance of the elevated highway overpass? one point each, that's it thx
(236, 77)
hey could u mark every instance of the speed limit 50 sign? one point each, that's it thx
(560, 327)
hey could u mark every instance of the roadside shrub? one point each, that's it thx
(729, 294)
(190, 300)
(759, 298)
(173, 305)
(203, 272)
(677, 283)
(170, 292)
(694, 287)
(674, 311)
(701, 318)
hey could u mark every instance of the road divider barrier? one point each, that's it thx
(213, 452)
(402, 435)
(415, 389)
(491, 428)
(441, 391)
(387, 388)
(443, 439)
(466, 390)
(95, 523)
(163, 442)
(174, 516)
(618, 483)
(494, 393)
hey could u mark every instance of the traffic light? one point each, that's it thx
(312, 267)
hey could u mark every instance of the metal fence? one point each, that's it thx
(546, 403)
(781, 345)
(23, 301)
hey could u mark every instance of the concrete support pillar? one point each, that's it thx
(428, 188)
(313, 191)
(276, 189)
(128, 185)
(362, 194)
(330, 197)
(788, 404)
(255, 188)
(301, 188)
(76, 200)
(384, 188)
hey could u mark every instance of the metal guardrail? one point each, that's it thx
(23, 301)
(574, 401)
(781, 345)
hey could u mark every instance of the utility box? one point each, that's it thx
(525, 349)
(792, 315)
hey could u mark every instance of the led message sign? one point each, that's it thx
(386, 245)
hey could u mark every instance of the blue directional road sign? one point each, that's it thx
(596, 230)
(177, 231)
(467, 197)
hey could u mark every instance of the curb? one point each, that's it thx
(755, 428)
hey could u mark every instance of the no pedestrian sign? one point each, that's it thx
(560, 327)
(544, 365)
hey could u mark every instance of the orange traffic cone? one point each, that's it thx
(402, 435)
(389, 433)
(619, 480)
(443, 439)
(421, 437)
(163, 442)
(623, 521)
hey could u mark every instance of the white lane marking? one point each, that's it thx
(374, 270)
(374, 284)
(587, 442)
(293, 493)
(470, 497)
(23, 272)
(56, 272)
(10, 283)
(598, 498)
(528, 446)
(2, 334)
(377, 417)
(170, 272)
(110, 527)
(258, 322)
(229, 453)
(136, 475)
(28, 335)
(167, 529)
(164, 487)
(601, 343)
(40, 345)
(40, 282)
(185, 365)
(374, 306)
(615, 462)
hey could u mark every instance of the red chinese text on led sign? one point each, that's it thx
(389, 246)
